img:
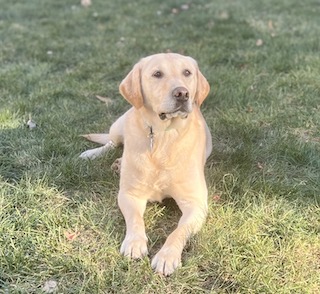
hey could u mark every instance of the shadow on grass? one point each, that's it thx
(266, 159)
(12, 155)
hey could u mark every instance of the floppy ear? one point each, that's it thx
(203, 89)
(130, 87)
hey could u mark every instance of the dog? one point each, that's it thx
(166, 143)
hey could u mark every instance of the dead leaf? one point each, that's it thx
(259, 42)
(216, 197)
(86, 3)
(30, 123)
(50, 286)
(70, 236)
(259, 165)
(106, 100)
(224, 15)
(184, 6)
(249, 109)
(270, 25)
(174, 11)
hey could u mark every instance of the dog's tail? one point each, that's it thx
(102, 139)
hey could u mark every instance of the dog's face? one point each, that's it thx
(167, 84)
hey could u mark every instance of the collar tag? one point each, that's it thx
(151, 137)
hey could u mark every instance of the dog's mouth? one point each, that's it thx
(182, 113)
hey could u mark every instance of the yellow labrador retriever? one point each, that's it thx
(166, 144)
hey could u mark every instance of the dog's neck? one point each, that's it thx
(152, 135)
(155, 126)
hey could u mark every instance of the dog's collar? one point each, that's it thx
(151, 134)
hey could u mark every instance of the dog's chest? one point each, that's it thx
(162, 157)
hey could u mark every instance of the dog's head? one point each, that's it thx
(169, 84)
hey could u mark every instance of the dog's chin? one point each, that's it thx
(171, 115)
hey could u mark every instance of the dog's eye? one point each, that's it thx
(157, 74)
(186, 73)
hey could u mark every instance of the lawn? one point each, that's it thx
(60, 227)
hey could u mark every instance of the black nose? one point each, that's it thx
(181, 94)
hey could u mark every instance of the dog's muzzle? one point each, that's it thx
(181, 97)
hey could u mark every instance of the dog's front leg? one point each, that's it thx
(169, 257)
(134, 244)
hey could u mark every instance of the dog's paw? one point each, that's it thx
(96, 152)
(134, 247)
(116, 166)
(90, 154)
(166, 261)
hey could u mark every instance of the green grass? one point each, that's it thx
(262, 232)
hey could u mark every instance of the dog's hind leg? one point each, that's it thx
(110, 141)
(116, 166)
(96, 152)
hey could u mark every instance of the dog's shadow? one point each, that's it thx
(160, 219)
